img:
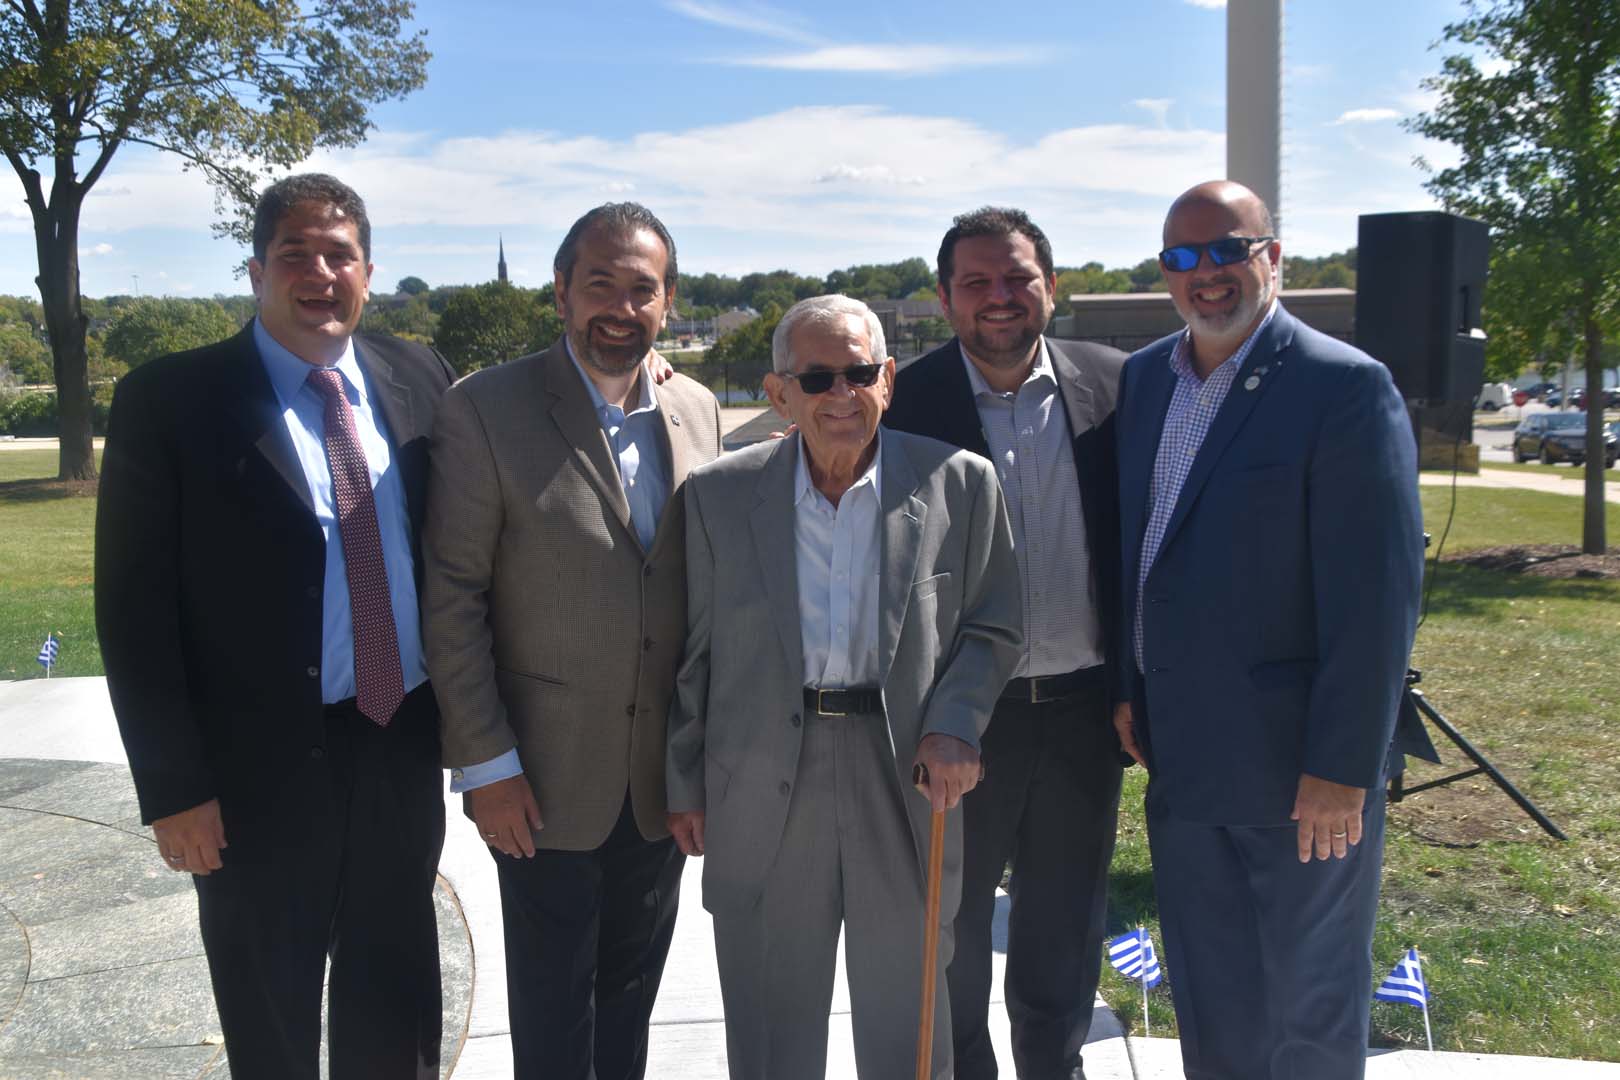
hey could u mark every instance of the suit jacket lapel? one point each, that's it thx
(1074, 392)
(397, 404)
(256, 413)
(775, 549)
(572, 412)
(959, 422)
(1234, 411)
(901, 527)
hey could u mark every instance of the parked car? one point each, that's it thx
(1555, 437)
(1611, 397)
(1577, 398)
(1493, 396)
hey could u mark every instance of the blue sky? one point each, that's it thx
(809, 136)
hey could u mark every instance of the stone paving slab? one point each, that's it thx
(102, 972)
(1160, 1059)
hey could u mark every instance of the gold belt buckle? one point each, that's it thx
(820, 697)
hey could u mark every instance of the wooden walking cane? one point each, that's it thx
(936, 864)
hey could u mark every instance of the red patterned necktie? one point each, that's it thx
(379, 687)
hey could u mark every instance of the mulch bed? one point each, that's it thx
(1542, 560)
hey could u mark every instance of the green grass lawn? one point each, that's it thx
(46, 544)
(1520, 933)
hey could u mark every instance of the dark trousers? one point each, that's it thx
(587, 933)
(1269, 959)
(1049, 802)
(339, 863)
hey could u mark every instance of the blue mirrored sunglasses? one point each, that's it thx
(1223, 252)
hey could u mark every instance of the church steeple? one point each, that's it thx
(500, 267)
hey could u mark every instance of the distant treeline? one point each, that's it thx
(477, 325)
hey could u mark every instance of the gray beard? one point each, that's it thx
(612, 361)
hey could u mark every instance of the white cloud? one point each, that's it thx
(811, 188)
(1366, 116)
(99, 249)
(766, 22)
(1211, 5)
(896, 59)
(1158, 108)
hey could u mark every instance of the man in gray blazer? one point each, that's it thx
(854, 611)
(554, 610)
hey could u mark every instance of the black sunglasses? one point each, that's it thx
(1222, 252)
(819, 382)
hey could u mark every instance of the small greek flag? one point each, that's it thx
(48, 651)
(1133, 957)
(1405, 985)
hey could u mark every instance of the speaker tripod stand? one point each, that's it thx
(1415, 741)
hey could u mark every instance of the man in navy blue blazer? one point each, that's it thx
(1272, 545)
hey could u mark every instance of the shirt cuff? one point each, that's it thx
(486, 772)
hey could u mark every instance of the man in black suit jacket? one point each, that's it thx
(256, 574)
(1042, 411)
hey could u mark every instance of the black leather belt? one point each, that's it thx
(857, 701)
(1037, 688)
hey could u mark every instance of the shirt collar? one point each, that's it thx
(1181, 355)
(289, 374)
(802, 486)
(647, 401)
(1041, 370)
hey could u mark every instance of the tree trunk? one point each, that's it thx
(1593, 539)
(56, 238)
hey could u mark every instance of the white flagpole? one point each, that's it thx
(1427, 1033)
(1141, 934)
(49, 659)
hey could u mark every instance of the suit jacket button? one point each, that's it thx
(647, 643)
(646, 571)
(312, 671)
(630, 710)
(795, 721)
(317, 752)
(313, 592)
(785, 787)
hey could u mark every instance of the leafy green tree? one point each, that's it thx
(1090, 278)
(23, 355)
(217, 84)
(1147, 276)
(412, 286)
(154, 327)
(1533, 106)
(492, 323)
(744, 355)
(414, 320)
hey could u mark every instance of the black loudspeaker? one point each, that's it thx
(1420, 281)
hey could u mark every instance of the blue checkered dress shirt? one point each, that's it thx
(1192, 410)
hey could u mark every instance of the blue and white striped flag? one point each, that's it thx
(1405, 983)
(1132, 956)
(48, 651)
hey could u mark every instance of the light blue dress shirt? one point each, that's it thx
(645, 477)
(303, 411)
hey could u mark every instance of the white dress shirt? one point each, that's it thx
(1033, 452)
(839, 554)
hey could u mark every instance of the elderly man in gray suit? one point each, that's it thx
(853, 611)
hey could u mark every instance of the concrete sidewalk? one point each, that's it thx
(102, 973)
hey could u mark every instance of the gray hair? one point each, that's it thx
(824, 311)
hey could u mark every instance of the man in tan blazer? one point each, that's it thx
(855, 610)
(554, 611)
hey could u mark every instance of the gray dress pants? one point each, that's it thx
(847, 859)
